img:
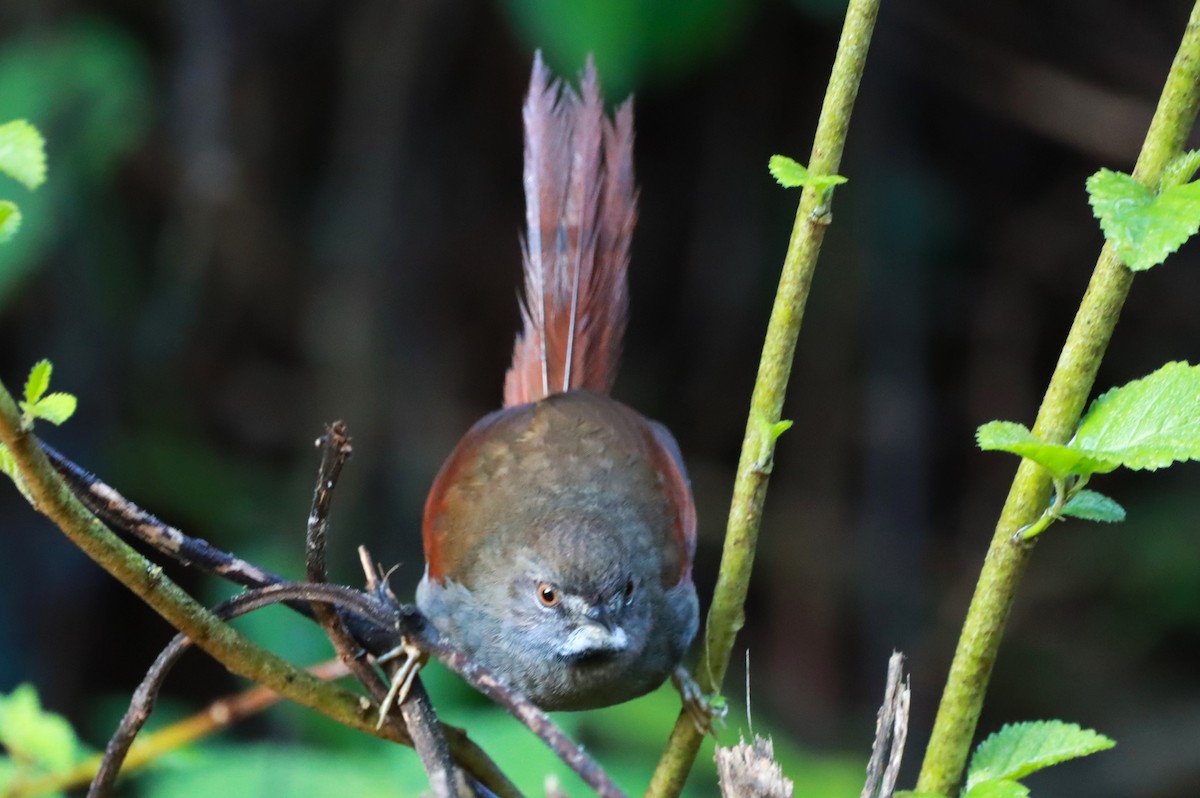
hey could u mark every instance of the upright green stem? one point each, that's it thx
(725, 617)
(1058, 416)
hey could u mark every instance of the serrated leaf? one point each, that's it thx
(789, 173)
(1019, 749)
(1092, 506)
(1181, 169)
(1059, 460)
(10, 220)
(39, 381)
(55, 408)
(31, 733)
(1148, 423)
(23, 153)
(1143, 228)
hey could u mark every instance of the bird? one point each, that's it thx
(560, 533)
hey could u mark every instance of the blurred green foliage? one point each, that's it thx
(33, 742)
(86, 86)
(631, 40)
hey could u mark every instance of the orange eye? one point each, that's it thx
(547, 594)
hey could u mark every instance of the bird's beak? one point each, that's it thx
(597, 635)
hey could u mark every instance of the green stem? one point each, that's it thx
(1058, 416)
(54, 499)
(725, 617)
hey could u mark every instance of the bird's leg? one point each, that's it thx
(402, 676)
(706, 711)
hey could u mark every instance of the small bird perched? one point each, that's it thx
(560, 532)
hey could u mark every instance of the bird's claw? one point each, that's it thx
(706, 711)
(402, 677)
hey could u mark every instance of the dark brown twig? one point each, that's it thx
(142, 703)
(420, 722)
(335, 450)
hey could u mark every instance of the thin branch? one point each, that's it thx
(335, 450)
(419, 719)
(1057, 419)
(725, 617)
(142, 703)
(51, 497)
(124, 516)
(54, 498)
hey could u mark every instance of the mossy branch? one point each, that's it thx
(725, 617)
(53, 498)
(1057, 418)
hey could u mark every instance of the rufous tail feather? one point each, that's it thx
(580, 209)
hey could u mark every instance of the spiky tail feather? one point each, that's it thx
(581, 206)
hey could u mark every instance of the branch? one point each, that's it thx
(1057, 419)
(420, 722)
(725, 617)
(142, 703)
(52, 497)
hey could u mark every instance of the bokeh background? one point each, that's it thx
(264, 215)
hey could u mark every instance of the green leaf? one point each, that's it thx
(1143, 228)
(55, 408)
(1181, 169)
(779, 427)
(1019, 749)
(31, 733)
(998, 788)
(1008, 436)
(10, 220)
(790, 174)
(1092, 506)
(23, 153)
(39, 381)
(915, 794)
(1148, 423)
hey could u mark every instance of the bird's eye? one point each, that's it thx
(547, 594)
(629, 586)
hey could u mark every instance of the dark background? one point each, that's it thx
(261, 216)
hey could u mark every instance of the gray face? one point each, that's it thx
(578, 624)
(577, 608)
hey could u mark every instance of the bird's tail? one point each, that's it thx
(580, 209)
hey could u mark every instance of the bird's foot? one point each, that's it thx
(402, 676)
(706, 710)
